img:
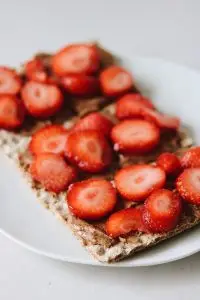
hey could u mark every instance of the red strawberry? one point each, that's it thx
(11, 112)
(162, 211)
(188, 185)
(115, 81)
(35, 70)
(170, 163)
(41, 100)
(80, 85)
(49, 139)
(136, 182)
(161, 120)
(91, 199)
(76, 59)
(89, 150)
(135, 136)
(191, 158)
(131, 105)
(94, 121)
(125, 221)
(52, 172)
(10, 82)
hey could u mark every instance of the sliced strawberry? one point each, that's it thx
(170, 163)
(115, 81)
(125, 221)
(10, 82)
(41, 100)
(94, 121)
(35, 70)
(91, 199)
(11, 112)
(76, 59)
(136, 182)
(161, 120)
(188, 185)
(49, 139)
(162, 211)
(131, 105)
(80, 85)
(191, 158)
(89, 150)
(135, 136)
(52, 172)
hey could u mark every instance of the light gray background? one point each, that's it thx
(163, 28)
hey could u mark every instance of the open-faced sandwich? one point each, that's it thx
(98, 153)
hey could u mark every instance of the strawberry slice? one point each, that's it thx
(49, 139)
(135, 136)
(125, 221)
(10, 82)
(115, 81)
(188, 185)
(131, 105)
(170, 163)
(11, 112)
(136, 182)
(89, 150)
(80, 85)
(162, 211)
(35, 70)
(161, 120)
(41, 100)
(76, 59)
(191, 158)
(52, 172)
(91, 199)
(94, 121)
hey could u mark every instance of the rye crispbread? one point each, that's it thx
(92, 235)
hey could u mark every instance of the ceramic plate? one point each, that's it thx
(174, 89)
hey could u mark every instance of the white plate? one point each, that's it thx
(174, 89)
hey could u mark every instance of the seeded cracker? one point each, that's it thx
(92, 235)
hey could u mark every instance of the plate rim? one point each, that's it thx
(95, 263)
